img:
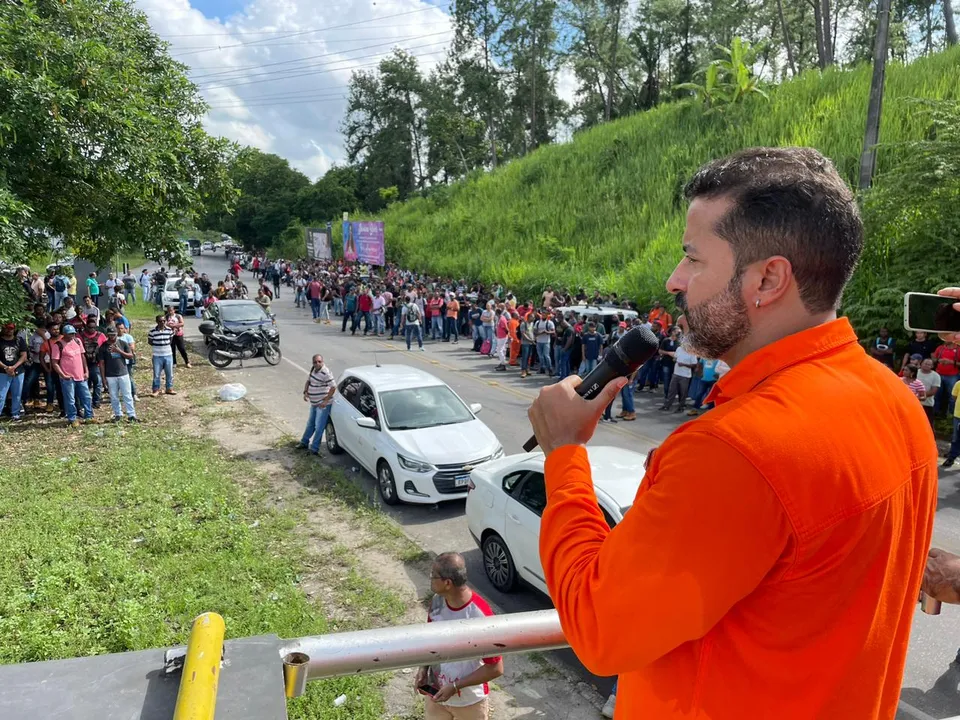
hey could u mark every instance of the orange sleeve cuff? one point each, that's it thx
(566, 464)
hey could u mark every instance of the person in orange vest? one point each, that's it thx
(770, 563)
(659, 314)
(512, 326)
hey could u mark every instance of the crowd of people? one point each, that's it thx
(69, 356)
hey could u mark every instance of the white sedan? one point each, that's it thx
(507, 498)
(171, 296)
(410, 431)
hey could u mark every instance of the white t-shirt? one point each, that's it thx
(686, 357)
(542, 330)
(931, 384)
(450, 672)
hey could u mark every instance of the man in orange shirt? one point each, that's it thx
(513, 324)
(771, 561)
(660, 315)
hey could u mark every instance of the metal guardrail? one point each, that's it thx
(393, 648)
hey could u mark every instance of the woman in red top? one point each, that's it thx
(947, 357)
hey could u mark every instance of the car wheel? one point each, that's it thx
(498, 563)
(386, 484)
(330, 435)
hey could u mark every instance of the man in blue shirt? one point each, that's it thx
(591, 341)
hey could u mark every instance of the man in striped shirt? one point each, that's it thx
(160, 339)
(318, 391)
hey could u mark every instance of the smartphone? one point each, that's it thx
(428, 690)
(930, 313)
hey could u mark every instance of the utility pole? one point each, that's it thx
(868, 157)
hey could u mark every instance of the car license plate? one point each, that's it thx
(461, 480)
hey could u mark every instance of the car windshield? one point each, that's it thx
(244, 312)
(423, 407)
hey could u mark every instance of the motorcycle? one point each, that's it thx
(225, 348)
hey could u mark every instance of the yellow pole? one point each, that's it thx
(197, 698)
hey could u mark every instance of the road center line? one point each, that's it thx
(512, 391)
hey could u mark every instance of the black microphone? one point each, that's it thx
(629, 352)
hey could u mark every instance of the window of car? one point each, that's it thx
(532, 493)
(350, 390)
(367, 403)
(242, 312)
(512, 480)
(423, 407)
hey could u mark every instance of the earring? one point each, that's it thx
(758, 302)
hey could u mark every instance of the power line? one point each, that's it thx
(290, 102)
(316, 30)
(262, 77)
(293, 94)
(311, 42)
(242, 68)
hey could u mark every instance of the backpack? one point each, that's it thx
(90, 347)
(412, 316)
(59, 284)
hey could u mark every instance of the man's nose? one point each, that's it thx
(677, 282)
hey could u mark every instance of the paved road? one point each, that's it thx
(931, 681)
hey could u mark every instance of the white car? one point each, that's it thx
(208, 246)
(507, 498)
(171, 296)
(410, 431)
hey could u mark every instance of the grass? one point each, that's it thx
(605, 211)
(116, 537)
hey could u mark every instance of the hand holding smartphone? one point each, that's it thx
(929, 313)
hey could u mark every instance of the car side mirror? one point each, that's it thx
(366, 422)
(475, 408)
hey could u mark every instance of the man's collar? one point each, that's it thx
(779, 355)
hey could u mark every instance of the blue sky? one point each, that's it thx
(221, 9)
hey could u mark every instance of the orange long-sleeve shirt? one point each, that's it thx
(771, 562)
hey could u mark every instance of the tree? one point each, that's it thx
(476, 27)
(329, 197)
(384, 128)
(527, 46)
(729, 79)
(101, 133)
(949, 22)
(868, 156)
(456, 137)
(268, 189)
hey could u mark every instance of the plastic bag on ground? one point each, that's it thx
(232, 392)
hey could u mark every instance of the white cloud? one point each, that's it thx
(293, 107)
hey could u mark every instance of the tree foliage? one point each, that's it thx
(100, 131)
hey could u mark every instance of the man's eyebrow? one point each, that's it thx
(687, 248)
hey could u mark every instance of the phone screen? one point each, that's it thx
(428, 690)
(933, 313)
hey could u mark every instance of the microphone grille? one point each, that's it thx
(638, 344)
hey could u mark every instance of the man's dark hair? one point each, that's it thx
(789, 202)
(450, 566)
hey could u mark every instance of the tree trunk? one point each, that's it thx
(818, 27)
(491, 125)
(533, 80)
(949, 22)
(416, 141)
(611, 74)
(786, 38)
(868, 157)
(827, 32)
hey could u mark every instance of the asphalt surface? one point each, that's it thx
(931, 680)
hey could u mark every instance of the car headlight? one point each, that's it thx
(498, 453)
(414, 465)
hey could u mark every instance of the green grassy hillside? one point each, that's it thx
(604, 210)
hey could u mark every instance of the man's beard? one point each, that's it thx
(717, 324)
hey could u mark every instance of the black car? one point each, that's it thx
(235, 316)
